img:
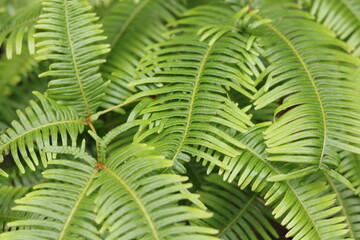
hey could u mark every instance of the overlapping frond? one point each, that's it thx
(39, 126)
(8, 195)
(315, 80)
(305, 207)
(347, 199)
(18, 26)
(131, 26)
(137, 200)
(238, 214)
(191, 111)
(71, 39)
(341, 16)
(64, 211)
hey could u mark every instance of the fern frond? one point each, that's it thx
(22, 23)
(350, 168)
(350, 204)
(302, 206)
(12, 71)
(191, 110)
(131, 183)
(238, 214)
(70, 38)
(40, 125)
(341, 16)
(8, 195)
(318, 89)
(65, 211)
(131, 26)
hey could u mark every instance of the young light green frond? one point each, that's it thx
(341, 16)
(18, 28)
(316, 81)
(64, 210)
(238, 214)
(302, 206)
(8, 195)
(137, 201)
(40, 125)
(191, 109)
(131, 26)
(71, 39)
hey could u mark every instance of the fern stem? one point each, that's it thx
(117, 106)
(311, 78)
(76, 205)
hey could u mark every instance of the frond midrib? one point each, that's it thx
(76, 205)
(137, 200)
(341, 203)
(128, 22)
(39, 128)
(192, 100)
(311, 78)
(242, 211)
(351, 9)
(71, 47)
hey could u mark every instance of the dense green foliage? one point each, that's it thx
(174, 119)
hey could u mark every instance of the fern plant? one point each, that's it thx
(173, 119)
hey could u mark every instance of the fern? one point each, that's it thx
(238, 214)
(76, 69)
(312, 87)
(261, 94)
(293, 200)
(66, 203)
(148, 204)
(343, 17)
(7, 200)
(191, 107)
(130, 27)
(13, 31)
(41, 123)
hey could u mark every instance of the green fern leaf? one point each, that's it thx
(303, 206)
(238, 214)
(40, 125)
(71, 39)
(8, 195)
(130, 28)
(191, 109)
(13, 31)
(63, 199)
(341, 16)
(131, 182)
(318, 88)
